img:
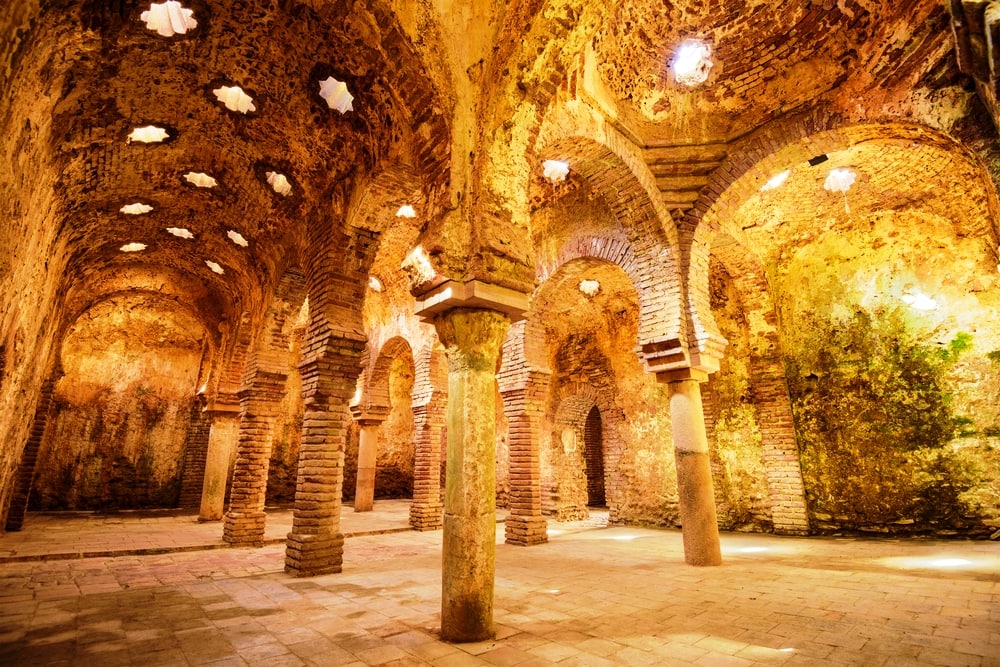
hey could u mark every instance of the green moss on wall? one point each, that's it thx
(874, 418)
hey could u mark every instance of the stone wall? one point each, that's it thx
(122, 410)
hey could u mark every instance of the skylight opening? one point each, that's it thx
(589, 287)
(200, 180)
(133, 247)
(692, 62)
(919, 301)
(148, 134)
(237, 238)
(279, 183)
(181, 232)
(137, 208)
(169, 18)
(374, 284)
(555, 170)
(336, 95)
(235, 99)
(776, 181)
(214, 266)
(406, 211)
(839, 180)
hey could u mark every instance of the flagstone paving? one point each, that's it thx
(594, 595)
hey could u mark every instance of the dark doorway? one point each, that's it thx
(594, 455)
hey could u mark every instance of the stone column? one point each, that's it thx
(700, 528)
(259, 405)
(316, 545)
(525, 525)
(368, 422)
(428, 429)
(223, 439)
(472, 338)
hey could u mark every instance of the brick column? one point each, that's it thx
(524, 407)
(195, 451)
(781, 451)
(368, 423)
(472, 338)
(223, 439)
(29, 456)
(700, 528)
(316, 545)
(428, 423)
(259, 406)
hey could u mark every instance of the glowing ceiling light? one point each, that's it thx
(200, 180)
(839, 180)
(235, 99)
(589, 287)
(919, 300)
(336, 95)
(406, 211)
(237, 238)
(136, 209)
(169, 18)
(375, 284)
(279, 183)
(149, 134)
(555, 170)
(133, 247)
(215, 267)
(776, 181)
(692, 62)
(418, 264)
(181, 232)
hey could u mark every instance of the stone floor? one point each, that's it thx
(592, 596)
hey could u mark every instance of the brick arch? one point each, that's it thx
(614, 168)
(772, 403)
(753, 160)
(574, 402)
(376, 384)
(531, 346)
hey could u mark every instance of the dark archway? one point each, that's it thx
(593, 438)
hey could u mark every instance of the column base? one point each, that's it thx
(426, 517)
(311, 555)
(244, 529)
(526, 531)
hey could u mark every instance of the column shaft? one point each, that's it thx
(472, 338)
(223, 439)
(428, 427)
(694, 475)
(364, 490)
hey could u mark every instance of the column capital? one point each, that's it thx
(472, 294)
(371, 415)
(682, 374)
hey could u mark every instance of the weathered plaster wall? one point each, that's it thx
(891, 364)
(123, 408)
(394, 456)
(740, 479)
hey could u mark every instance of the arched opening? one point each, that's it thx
(593, 456)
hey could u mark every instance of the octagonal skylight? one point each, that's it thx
(133, 247)
(589, 287)
(279, 183)
(406, 211)
(169, 18)
(776, 181)
(148, 134)
(137, 208)
(181, 232)
(374, 284)
(555, 170)
(336, 95)
(235, 99)
(237, 238)
(199, 179)
(214, 266)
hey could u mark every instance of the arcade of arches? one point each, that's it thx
(762, 297)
